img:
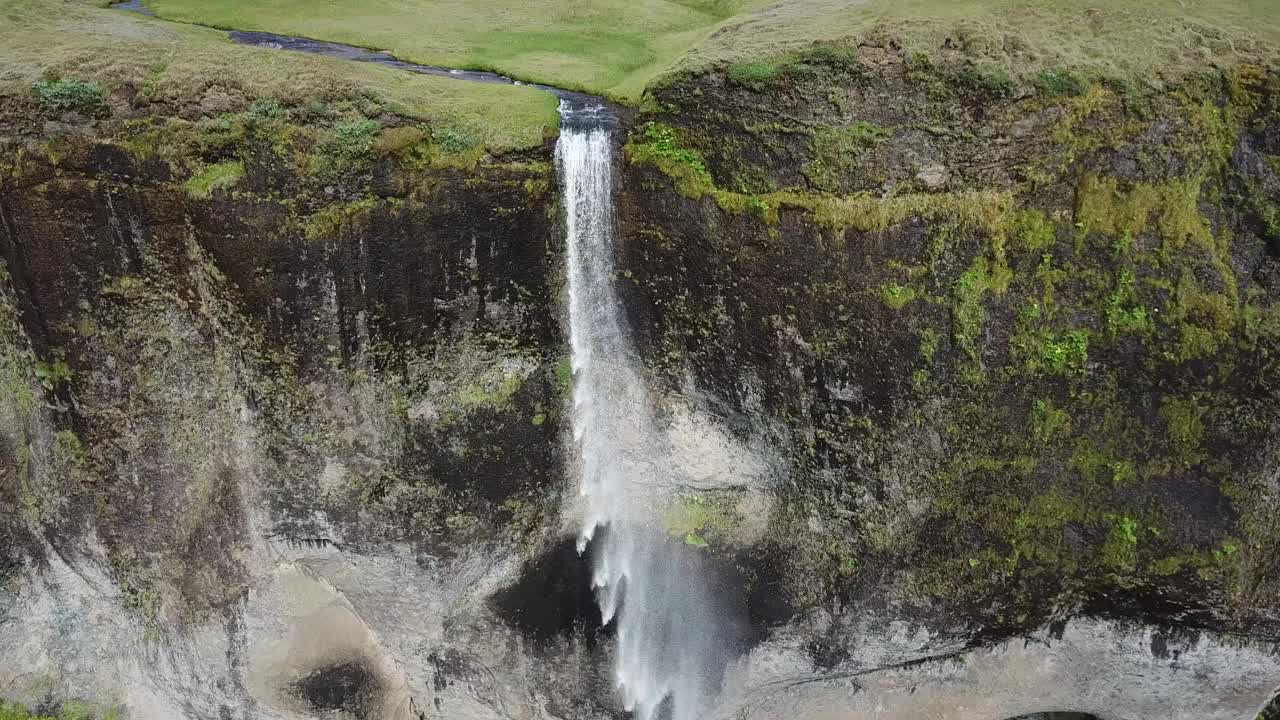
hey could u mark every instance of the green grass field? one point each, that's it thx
(605, 46)
(1138, 40)
(170, 61)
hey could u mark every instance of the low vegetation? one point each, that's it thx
(1055, 46)
(758, 73)
(220, 176)
(68, 94)
(69, 710)
(71, 55)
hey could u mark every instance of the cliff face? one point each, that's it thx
(236, 349)
(283, 419)
(1020, 351)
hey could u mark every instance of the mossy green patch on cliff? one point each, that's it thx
(17, 362)
(329, 221)
(702, 519)
(895, 296)
(1048, 422)
(836, 152)
(65, 710)
(1124, 313)
(217, 177)
(659, 144)
(1063, 417)
(1104, 206)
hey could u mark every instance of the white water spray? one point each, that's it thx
(671, 646)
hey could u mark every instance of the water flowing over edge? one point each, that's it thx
(671, 649)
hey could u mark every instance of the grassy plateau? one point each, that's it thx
(606, 46)
(173, 62)
(1140, 40)
(617, 47)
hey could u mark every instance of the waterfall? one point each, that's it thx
(671, 647)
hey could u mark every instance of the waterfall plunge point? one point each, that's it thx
(672, 645)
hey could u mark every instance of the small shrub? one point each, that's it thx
(455, 140)
(1127, 530)
(1271, 221)
(265, 109)
(1123, 313)
(658, 143)
(1059, 83)
(1121, 549)
(316, 109)
(52, 374)
(355, 136)
(68, 94)
(929, 341)
(759, 207)
(919, 62)
(1123, 472)
(1063, 354)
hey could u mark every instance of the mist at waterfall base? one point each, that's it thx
(675, 631)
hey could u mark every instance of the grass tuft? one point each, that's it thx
(757, 73)
(990, 79)
(219, 176)
(1059, 83)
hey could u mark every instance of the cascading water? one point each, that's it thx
(672, 646)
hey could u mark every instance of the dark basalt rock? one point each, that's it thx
(553, 597)
(349, 687)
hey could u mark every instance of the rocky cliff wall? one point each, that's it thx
(1017, 344)
(970, 387)
(282, 399)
